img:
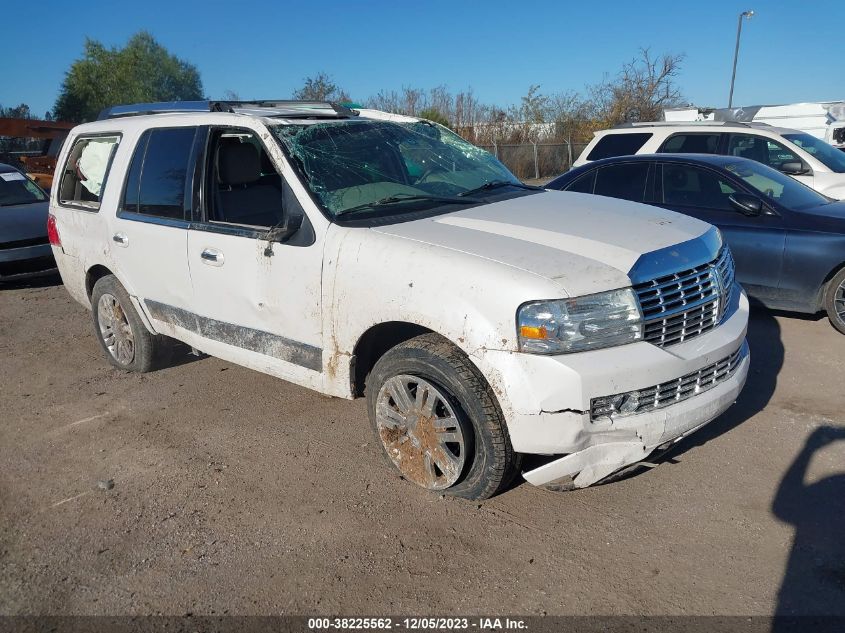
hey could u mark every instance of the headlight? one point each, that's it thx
(582, 323)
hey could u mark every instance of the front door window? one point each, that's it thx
(761, 149)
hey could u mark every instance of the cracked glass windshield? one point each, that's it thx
(379, 168)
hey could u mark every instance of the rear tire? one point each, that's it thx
(445, 432)
(834, 301)
(128, 344)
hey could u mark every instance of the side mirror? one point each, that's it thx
(285, 229)
(746, 204)
(794, 168)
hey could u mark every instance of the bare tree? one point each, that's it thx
(640, 91)
(389, 101)
(321, 88)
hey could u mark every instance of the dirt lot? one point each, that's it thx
(235, 492)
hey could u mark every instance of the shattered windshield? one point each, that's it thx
(383, 167)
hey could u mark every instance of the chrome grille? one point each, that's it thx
(666, 393)
(683, 305)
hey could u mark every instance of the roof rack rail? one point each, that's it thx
(680, 123)
(264, 107)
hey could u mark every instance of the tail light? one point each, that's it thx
(53, 231)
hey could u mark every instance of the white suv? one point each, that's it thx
(361, 253)
(798, 154)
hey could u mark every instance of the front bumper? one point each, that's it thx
(546, 400)
(645, 431)
(26, 262)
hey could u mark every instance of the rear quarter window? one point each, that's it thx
(584, 184)
(611, 145)
(626, 181)
(86, 171)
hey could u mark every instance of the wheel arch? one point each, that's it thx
(93, 275)
(97, 272)
(374, 343)
(820, 299)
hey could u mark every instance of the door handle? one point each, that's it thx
(120, 239)
(212, 257)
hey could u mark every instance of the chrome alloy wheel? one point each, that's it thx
(420, 432)
(839, 302)
(115, 329)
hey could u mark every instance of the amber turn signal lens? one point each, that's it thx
(535, 332)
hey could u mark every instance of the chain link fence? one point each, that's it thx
(536, 161)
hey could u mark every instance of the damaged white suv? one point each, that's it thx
(361, 253)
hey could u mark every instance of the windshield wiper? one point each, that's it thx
(496, 184)
(404, 197)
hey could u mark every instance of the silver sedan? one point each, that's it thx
(24, 247)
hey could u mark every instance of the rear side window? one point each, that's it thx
(691, 144)
(86, 171)
(618, 145)
(584, 184)
(626, 181)
(155, 184)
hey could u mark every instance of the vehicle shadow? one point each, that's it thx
(814, 579)
(181, 354)
(767, 353)
(42, 281)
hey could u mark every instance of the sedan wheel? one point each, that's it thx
(839, 302)
(420, 432)
(834, 303)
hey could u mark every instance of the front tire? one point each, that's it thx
(834, 302)
(128, 344)
(438, 420)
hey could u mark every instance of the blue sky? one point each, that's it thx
(791, 51)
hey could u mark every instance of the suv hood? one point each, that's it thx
(585, 243)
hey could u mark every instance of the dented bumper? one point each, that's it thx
(631, 439)
(547, 399)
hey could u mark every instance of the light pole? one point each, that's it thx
(748, 15)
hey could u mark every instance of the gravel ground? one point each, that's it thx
(207, 488)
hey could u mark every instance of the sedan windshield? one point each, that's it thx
(828, 155)
(15, 188)
(382, 167)
(775, 185)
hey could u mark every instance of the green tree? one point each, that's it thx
(142, 71)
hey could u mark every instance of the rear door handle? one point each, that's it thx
(212, 257)
(120, 239)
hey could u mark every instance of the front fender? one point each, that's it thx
(371, 278)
